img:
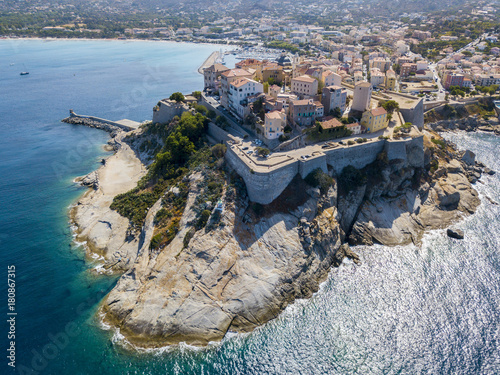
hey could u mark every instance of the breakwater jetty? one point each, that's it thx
(212, 59)
(100, 123)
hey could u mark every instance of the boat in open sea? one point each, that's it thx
(24, 73)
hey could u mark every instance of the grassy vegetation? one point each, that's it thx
(484, 107)
(210, 162)
(438, 142)
(181, 138)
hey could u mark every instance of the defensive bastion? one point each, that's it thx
(267, 178)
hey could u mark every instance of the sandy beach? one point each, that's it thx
(104, 230)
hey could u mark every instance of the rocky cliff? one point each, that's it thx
(258, 259)
(469, 124)
(405, 201)
(235, 277)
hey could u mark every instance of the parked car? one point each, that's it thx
(245, 148)
(249, 152)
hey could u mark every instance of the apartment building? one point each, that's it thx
(239, 91)
(225, 80)
(334, 97)
(305, 86)
(302, 112)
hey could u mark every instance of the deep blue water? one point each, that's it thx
(405, 310)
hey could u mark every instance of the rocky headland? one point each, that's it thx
(247, 262)
(468, 124)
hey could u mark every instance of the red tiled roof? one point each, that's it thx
(247, 62)
(378, 111)
(235, 73)
(304, 79)
(330, 124)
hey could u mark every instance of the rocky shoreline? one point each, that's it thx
(254, 263)
(111, 129)
(249, 269)
(104, 232)
(468, 124)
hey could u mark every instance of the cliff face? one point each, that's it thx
(407, 201)
(235, 277)
(254, 260)
(397, 219)
(244, 271)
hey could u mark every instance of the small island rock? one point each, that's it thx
(455, 233)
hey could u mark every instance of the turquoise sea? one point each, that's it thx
(404, 310)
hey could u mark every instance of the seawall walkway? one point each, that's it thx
(209, 61)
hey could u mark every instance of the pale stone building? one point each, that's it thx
(226, 78)
(274, 124)
(334, 97)
(212, 74)
(362, 96)
(305, 85)
(239, 91)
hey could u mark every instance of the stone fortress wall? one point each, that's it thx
(262, 186)
(167, 109)
(266, 181)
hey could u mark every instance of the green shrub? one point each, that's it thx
(201, 109)
(434, 165)
(283, 138)
(318, 178)
(156, 241)
(351, 178)
(438, 142)
(219, 150)
(177, 96)
(203, 219)
(189, 235)
(262, 151)
(162, 214)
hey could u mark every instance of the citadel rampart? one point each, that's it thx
(167, 109)
(265, 180)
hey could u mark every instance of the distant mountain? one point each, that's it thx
(241, 8)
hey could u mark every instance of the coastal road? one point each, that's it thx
(234, 129)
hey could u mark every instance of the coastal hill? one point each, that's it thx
(201, 259)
